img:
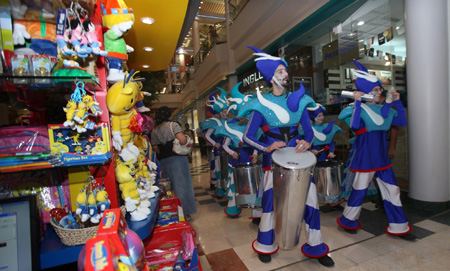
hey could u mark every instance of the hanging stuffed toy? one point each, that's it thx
(119, 19)
(78, 39)
(89, 30)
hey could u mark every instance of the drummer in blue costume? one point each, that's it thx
(369, 122)
(218, 106)
(323, 145)
(279, 115)
(232, 131)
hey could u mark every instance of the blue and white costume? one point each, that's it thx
(369, 157)
(208, 127)
(324, 143)
(279, 118)
(233, 132)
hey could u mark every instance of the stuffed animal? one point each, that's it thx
(120, 100)
(92, 207)
(82, 210)
(78, 39)
(102, 200)
(125, 175)
(89, 30)
(41, 35)
(70, 109)
(62, 41)
(119, 19)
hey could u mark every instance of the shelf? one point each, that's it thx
(22, 169)
(12, 83)
(145, 227)
(54, 253)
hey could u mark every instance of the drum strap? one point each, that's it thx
(284, 135)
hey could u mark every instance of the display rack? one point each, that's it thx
(54, 253)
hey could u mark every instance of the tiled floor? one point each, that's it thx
(225, 243)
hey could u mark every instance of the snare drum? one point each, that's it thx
(292, 174)
(246, 179)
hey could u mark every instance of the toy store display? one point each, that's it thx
(134, 172)
(77, 227)
(115, 246)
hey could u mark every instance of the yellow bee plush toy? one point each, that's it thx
(126, 176)
(120, 99)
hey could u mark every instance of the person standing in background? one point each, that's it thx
(190, 133)
(174, 166)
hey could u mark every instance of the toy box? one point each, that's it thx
(90, 147)
(20, 67)
(125, 245)
(99, 254)
(40, 66)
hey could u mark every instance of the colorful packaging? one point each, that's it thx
(40, 66)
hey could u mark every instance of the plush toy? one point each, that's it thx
(70, 110)
(78, 39)
(118, 18)
(92, 207)
(120, 100)
(62, 41)
(89, 30)
(125, 175)
(82, 210)
(102, 200)
(42, 36)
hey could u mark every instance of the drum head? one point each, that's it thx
(288, 158)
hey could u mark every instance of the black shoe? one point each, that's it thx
(326, 261)
(408, 237)
(350, 231)
(256, 221)
(264, 258)
(212, 187)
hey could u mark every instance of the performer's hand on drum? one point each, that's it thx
(315, 152)
(331, 155)
(275, 146)
(254, 159)
(302, 145)
(235, 155)
(217, 145)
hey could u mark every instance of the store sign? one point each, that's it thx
(333, 56)
(252, 78)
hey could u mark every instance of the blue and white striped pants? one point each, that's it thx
(265, 242)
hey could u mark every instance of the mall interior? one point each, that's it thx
(187, 51)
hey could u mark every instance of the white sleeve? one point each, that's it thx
(226, 147)
(208, 137)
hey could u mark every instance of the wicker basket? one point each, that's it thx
(74, 237)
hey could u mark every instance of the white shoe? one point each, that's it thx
(115, 76)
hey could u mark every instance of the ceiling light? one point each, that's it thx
(360, 23)
(145, 66)
(148, 49)
(387, 63)
(147, 20)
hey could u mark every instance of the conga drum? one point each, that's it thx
(246, 180)
(292, 174)
(222, 183)
(328, 176)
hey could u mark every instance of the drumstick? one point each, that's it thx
(324, 149)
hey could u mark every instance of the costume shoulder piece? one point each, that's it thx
(324, 133)
(277, 110)
(235, 132)
(211, 123)
(371, 115)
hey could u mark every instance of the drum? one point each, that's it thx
(246, 180)
(328, 175)
(292, 174)
(222, 183)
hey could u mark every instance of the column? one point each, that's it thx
(428, 99)
(195, 38)
(182, 65)
(169, 80)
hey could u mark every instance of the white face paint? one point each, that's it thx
(319, 119)
(223, 114)
(376, 92)
(281, 75)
